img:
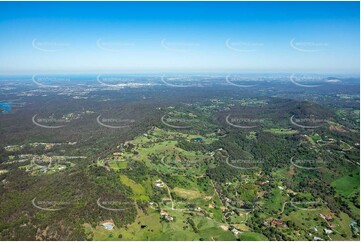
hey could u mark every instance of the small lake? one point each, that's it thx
(5, 106)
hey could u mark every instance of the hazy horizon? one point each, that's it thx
(140, 37)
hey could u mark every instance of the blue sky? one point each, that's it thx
(78, 37)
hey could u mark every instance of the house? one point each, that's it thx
(327, 231)
(235, 231)
(326, 216)
(164, 215)
(317, 238)
(108, 225)
(262, 183)
(210, 153)
(198, 209)
(354, 227)
(116, 154)
(159, 183)
(166, 199)
(278, 223)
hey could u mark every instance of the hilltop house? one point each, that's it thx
(235, 231)
(326, 216)
(278, 223)
(159, 183)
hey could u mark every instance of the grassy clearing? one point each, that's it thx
(315, 137)
(150, 227)
(347, 185)
(276, 201)
(138, 190)
(118, 165)
(279, 131)
(251, 135)
(187, 194)
(252, 236)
